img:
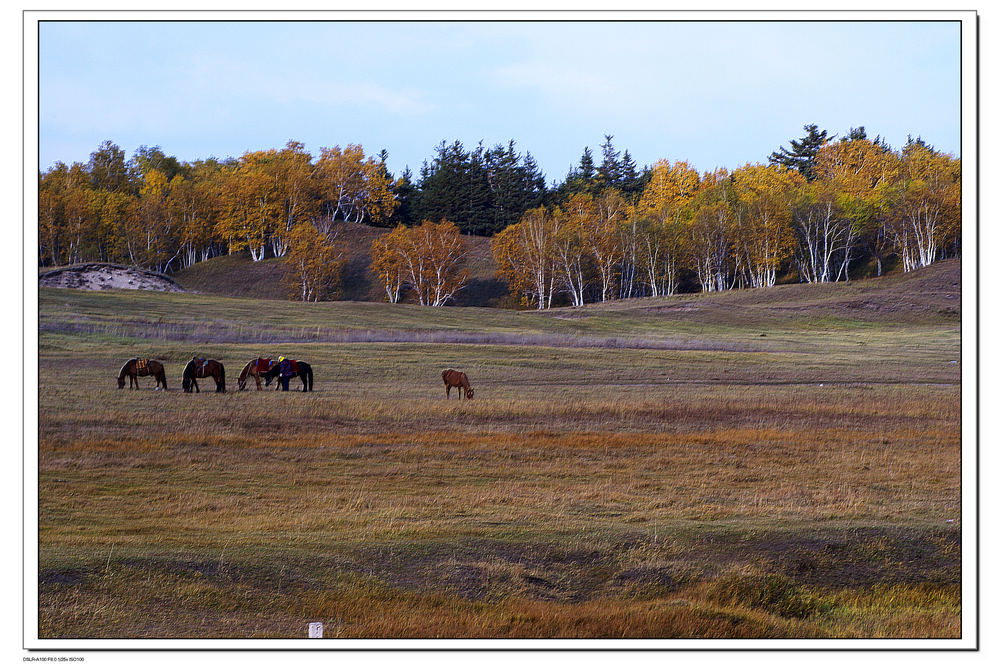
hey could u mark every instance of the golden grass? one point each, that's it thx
(583, 493)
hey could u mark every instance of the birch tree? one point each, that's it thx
(524, 256)
(765, 238)
(661, 225)
(927, 206)
(388, 263)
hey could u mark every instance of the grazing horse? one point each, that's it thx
(199, 367)
(458, 380)
(301, 369)
(255, 369)
(142, 367)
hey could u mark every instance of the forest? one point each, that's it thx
(823, 210)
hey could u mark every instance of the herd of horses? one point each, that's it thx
(269, 369)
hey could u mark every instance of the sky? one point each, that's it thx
(717, 94)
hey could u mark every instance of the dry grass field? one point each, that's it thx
(778, 464)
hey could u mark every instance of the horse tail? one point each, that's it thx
(222, 373)
(242, 381)
(161, 378)
(309, 373)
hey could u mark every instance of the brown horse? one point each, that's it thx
(135, 368)
(199, 367)
(459, 380)
(255, 368)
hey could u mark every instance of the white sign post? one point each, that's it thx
(316, 629)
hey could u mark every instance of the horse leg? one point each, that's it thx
(447, 390)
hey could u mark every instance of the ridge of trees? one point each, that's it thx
(609, 230)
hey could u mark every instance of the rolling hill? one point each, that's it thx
(238, 276)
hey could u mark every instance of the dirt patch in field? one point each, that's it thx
(107, 277)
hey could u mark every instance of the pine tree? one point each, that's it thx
(610, 175)
(407, 195)
(632, 182)
(802, 156)
(855, 134)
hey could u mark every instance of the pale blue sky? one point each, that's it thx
(715, 94)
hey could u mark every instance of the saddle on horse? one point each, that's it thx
(141, 365)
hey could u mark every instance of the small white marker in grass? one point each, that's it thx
(316, 629)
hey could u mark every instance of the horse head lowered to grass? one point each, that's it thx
(142, 367)
(459, 380)
(256, 369)
(300, 369)
(199, 368)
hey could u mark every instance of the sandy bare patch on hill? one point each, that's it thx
(107, 277)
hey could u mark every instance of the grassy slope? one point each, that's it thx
(239, 276)
(697, 482)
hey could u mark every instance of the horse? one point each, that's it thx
(459, 380)
(149, 368)
(254, 368)
(300, 368)
(199, 367)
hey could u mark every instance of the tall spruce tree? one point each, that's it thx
(610, 174)
(407, 196)
(632, 182)
(802, 155)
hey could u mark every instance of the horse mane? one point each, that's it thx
(245, 371)
(189, 369)
(121, 373)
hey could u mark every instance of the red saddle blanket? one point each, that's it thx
(264, 364)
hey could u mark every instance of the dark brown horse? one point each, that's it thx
(142, 367)
(300, 369)
(256, 369)
(200, 367)
(458, 380)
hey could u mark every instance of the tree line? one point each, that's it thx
(607, 231)
(814, 209)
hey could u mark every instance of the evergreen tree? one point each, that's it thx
(586, 172)
(610, 175)
(441, 184)
(477, 217)
(918, 142)
(632, 182)
(407, 196)
(855, 134)
(802, 155)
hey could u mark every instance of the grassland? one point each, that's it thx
(757, 464)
